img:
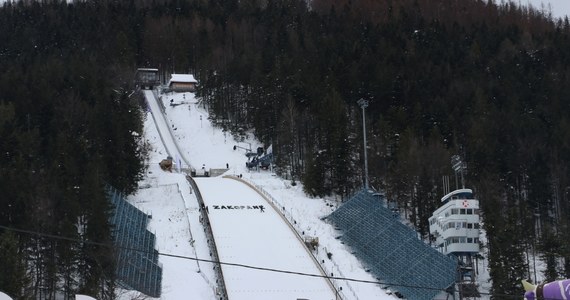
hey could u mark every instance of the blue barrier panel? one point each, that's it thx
(390, 249)
(137, 260)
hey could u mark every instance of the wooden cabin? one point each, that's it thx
(182, 83)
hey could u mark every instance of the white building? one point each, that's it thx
(455, 225)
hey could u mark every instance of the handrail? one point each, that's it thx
(276, 205)
(162, 114)
(189, 225)
(211, 241)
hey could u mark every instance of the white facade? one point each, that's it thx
(455, 225)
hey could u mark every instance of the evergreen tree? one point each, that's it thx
(13, 278)
(550, 248)
(314, 176)
(491, 81)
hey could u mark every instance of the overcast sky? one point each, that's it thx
(560, 8)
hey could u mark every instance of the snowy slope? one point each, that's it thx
(176, 219)
(174, 210)
(249, 231)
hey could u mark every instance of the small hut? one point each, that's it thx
(182, 83)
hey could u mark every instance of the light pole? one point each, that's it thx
(364, 104)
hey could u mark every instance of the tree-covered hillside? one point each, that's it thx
(69, 127)
(481, 80)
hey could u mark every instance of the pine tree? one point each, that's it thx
(314, 176)
(550, 248)
(13, 278)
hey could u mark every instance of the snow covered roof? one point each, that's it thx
(148, 69)
(186, 78)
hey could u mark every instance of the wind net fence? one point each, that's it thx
(137, 261)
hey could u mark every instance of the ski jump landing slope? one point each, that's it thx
(246, 235)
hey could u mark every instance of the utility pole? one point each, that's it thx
(364, 104)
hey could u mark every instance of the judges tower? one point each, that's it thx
(455, 226)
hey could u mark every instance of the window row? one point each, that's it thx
(462, 211)
(460, 225)
(461, 240)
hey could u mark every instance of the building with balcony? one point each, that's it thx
(455, 227)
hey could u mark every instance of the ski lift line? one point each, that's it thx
(149, 95)
(110, 245)
(215, 262)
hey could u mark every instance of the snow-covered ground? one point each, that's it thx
(249, 231)
(179, 232)
(245, 236)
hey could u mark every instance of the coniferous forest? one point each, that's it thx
(485, 81)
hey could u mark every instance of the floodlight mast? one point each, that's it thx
(364, 104)
(458, 166)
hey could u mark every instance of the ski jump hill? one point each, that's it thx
(248, 231)
(258, 250)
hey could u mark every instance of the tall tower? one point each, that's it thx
(455, 226)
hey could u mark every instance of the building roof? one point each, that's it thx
(184, 78)
(148, 69)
